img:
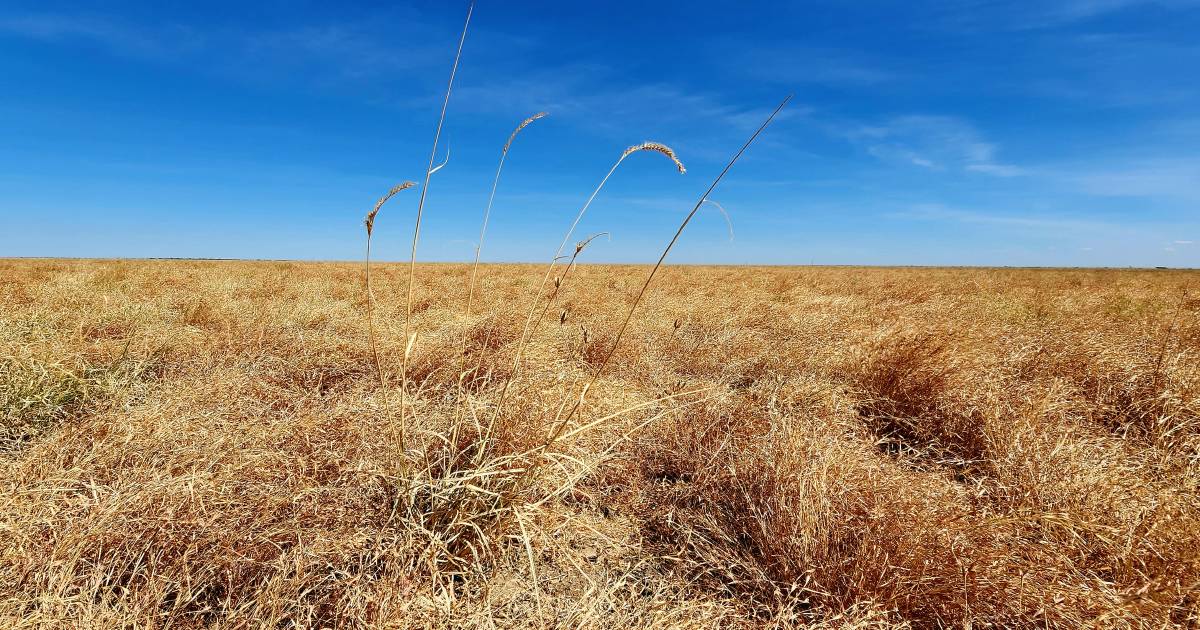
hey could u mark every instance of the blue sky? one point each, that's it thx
(1051, 132)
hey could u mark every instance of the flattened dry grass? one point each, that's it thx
(769, 447)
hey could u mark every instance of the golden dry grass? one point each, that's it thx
(191, 444)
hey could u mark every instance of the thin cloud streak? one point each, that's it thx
(931, 141)
(1162, 178)
(1042, 224)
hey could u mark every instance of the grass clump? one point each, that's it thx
(35, 396)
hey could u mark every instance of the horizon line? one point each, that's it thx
(317, 261)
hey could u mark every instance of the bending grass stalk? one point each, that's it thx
(628, 316)
(487, 211)
(412, 262)
(537, 591)
(558, 282)
(721, 209)
(604, 454)
(540, 451)
(645, 146)
(370, 223)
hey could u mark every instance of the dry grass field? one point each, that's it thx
(208, 444)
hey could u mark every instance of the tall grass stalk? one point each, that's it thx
(721, 209)
(412, 261)
(645, 146)
(562, 423)
(487, 211)
(370, 224)
(559, 281)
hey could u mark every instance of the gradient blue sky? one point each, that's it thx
(1051, 132)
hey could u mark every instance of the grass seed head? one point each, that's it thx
(370, 221)
(658, 147)
(524, 123)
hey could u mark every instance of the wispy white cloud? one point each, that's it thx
(999, 170)
(932, 142)
(1159, 178)
(1118, 69)
(351, 50)
(1036, 223)
(166, 40)
(358, 49)
(1056, 11)
(607, 102)
(893, 152)
(982, 15)
(794, 65)
(52, 27)
(599, 92)
(1184, 242)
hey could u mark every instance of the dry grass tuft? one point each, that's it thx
(35, 396)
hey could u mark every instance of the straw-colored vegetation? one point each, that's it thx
(194, 444)
(236, 444)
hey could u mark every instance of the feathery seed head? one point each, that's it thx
(524, 124)
(370, 222)
(659, 147)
